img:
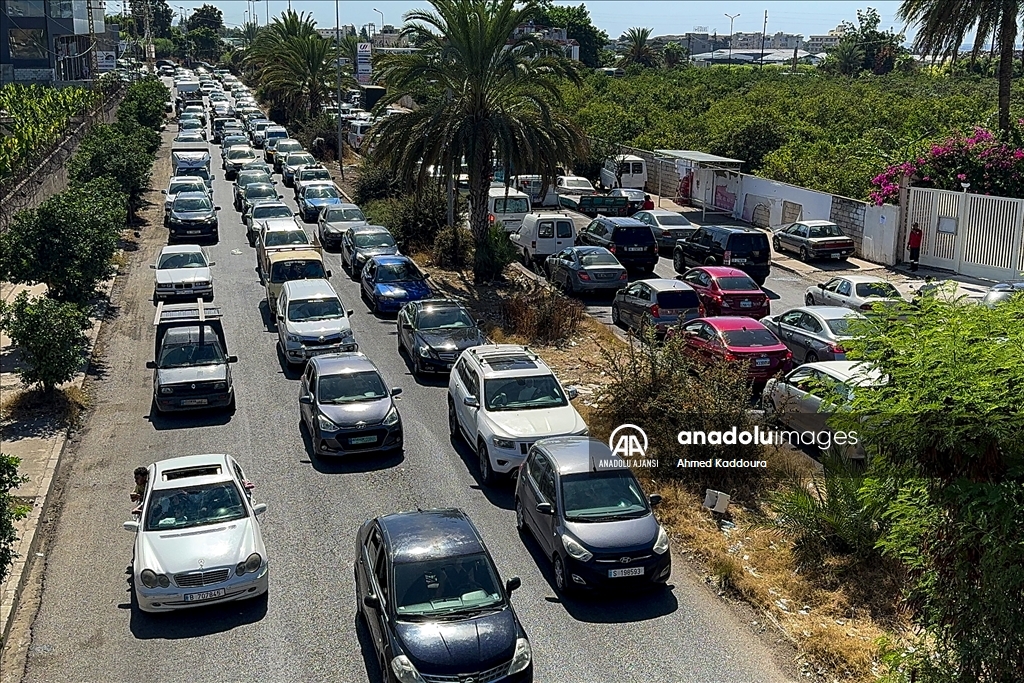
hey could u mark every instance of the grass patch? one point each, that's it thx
(541, 315)
(65, 405)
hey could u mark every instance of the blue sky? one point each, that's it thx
(805, 17)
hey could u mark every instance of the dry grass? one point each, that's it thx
(66, 405)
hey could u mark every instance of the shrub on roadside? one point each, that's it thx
(144, 103)
(541, 315)
(122, 153)
(414, 220)
(10, 511)
(323, 127)
(453, 248)
(375, 181)
(50, 336)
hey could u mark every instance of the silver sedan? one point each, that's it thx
(813, 333)
(585, 269)
(858, 292)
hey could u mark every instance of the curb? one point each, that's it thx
(28, 543)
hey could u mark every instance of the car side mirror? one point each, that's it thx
(211, 264)
(280, 196)
(232, 359)
(471, 402)
(151, 365)
(821, 285)
(296, 214)
(513, 584)
(131, 527)
(280, 317)
(545, 508)
(306, 400)
(216, 208)
(153, 266)
(349, 312)
(426, 275)
(654, 498)
(163, 191)
(328, 273)
(259, 508)
(572, 392)
(406, 326)
(395, 391)
(372, 601)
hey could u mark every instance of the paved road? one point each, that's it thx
(87, 628)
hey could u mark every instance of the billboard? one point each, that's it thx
(364, 67)
(105, 60)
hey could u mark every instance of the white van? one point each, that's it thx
(533, 185)
(507, 209)
(357, 130)
(544, 234)
(633, 170)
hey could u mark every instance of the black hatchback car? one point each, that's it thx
(434, 603)
(720, 245)
(631, 241)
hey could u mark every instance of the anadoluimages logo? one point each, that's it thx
(628, 441)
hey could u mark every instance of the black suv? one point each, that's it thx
(718, 245)
(632, 242)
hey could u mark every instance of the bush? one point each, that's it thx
(453, 248)
(10, 511)
(375, 181)
(50, 335)
(144, 103)
(68, 242)
(323, 127)
(542, 316)
(122, 153)
(414, 220)
(493, 253)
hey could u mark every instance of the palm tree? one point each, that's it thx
(944, 24)
(673, 54)
(483, 92)
(638, 50)
(303, 74)
(847, 58)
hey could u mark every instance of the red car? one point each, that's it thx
(736, 338)
(728, 291)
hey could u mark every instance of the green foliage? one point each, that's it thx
(50, 336)
(206, 16)
(864, 48)
(324, 127)
(375, 181)
(10, 511)
(68, 242)
(41, 117)
(414, 220)
(639, 52)
(578, 26)
(203, 43)
(453, 248)
(119, 152)
(144, 103)
(493, 254)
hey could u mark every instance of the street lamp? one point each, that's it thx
(381, 17)
(965, 186)
(337, 69)
(254, 10)
(732, 18)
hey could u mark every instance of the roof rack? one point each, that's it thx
(200, 311)
(488, 355)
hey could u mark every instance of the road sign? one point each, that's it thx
(105, 61)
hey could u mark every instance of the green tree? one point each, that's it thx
(144, 103)
(674, 53)
(207, 16)
(160, 18)
(10, 511)
(638, 48)
(68, 242)
(50, 335)
(204, 43)
(302, 74)
(944, 25)
(578, 26)
(847, 58)
(481, 93)
(122, 153)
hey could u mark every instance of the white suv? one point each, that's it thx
(502, 398)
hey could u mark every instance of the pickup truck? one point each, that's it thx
(593, 205)
(280, 233)
(191, 368)
(294, 262)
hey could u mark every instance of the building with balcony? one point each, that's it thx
(49, 40)
(554, 35)
(826, 42)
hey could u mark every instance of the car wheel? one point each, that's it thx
(562, 581)
(484, 463)
(677, 262)
(520, 517)
(376, 307)
(710, 261)
(811, 357)
(777, 245)
(453, 420)
(230, 410)
(805, 256)
(417, 365)
(808, 300)
(616, 320)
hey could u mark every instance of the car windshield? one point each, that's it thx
(351, 387)
(633, 195)
(299, 159)
(192, 204)
(523, 393)
(286, 146)
(186, 187)
(261, 211)
(191, 506)
(250, 177)
(825, 231)
(188, 137)
(511, 205)
(194, 259)
(192, 353)
(445, 317)
(317, 174)
(398, 272)
(315, 309)
(191, 124)
(285, 271)
(446, 586)
(599, 258)
(749, 337)
(369, 240)
(278, 238)
(879, 289)
(232, 141)
(244, 153)
(737, 284)
(321, 193)
(672, 219)
(197, 172)
(343, 215)
(602, 496)
(254, 191)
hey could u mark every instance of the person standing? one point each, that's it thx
(914, 245)
(648, 203)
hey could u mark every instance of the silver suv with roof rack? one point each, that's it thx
(501, 399)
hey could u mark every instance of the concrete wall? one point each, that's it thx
(781, 201)
(879, 242)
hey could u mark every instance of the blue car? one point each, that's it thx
(313, 198)
(390, 282)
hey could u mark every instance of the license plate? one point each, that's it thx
(837, 255)
(763, 362)
(192, 232)
(738, 260)
(746, 304)
(634, 248)
(206, 595)
(193, 402)
(362, 439)
(319, 352)
(448, 366)
(631, 571)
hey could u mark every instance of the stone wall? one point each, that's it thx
(848, 214)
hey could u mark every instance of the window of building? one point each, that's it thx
(28, 43)
(62, 9)
(26, 8)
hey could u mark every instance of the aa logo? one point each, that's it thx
(628, 441)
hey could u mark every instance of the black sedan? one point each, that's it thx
(361, 242)
(433, 333)
(433, 601)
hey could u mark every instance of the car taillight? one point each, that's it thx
(701, 310)
(788, 356)
(730, 356)
(583, 276)
(490, 217)
(624, 275)
(727, 258)
(611, 248)
(655, 311)
(866, 307)
(666, 233)
(836, 348)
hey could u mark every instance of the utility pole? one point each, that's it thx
(732, 18)
(337, 70)
(94, 61)
(764, 33)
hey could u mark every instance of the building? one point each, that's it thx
(49, 40)
(779, 41)
(388, 36)
(344, 30)
(826, 42)
(694, 43)
(555, 35)
(753, 56)
(746, 41)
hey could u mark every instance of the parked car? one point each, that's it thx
(182, 270)
(502, 398)
(312, 321)
(346, 406)
(737, 339)
(813, 333)
(542, 234)
(814, 240)
(258, 192)
(309, 175)
(335, 220)
(389, 282)
(192, 215)
(635, 197)
(721, 245)
(1002, 292)
(197, 539)
(177, 185)
(313, 198)
(246, 178)
(590, 516)
(441, 614)
(571, 184)
(728, 291)
(580, 270)
(631, 241)
(433, 332)
(859, 292)
(669, 226)
(361, 242)
(292, 163)
(282, 149)
(657, 304)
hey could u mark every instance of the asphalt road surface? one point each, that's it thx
(88, 629)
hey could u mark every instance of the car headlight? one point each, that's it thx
(506, 444)
(392, 417)
(325, 424)
(404, 671)
(292, 337)
(201, 283)
(661, 545)
(166, 390)
(394, 293)
(220, 386)
(575, 550)
(150, 579)
(521, 659)
(211, 219)
(251, 564)
(427, 352)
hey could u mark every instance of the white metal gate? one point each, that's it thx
(970, 234)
